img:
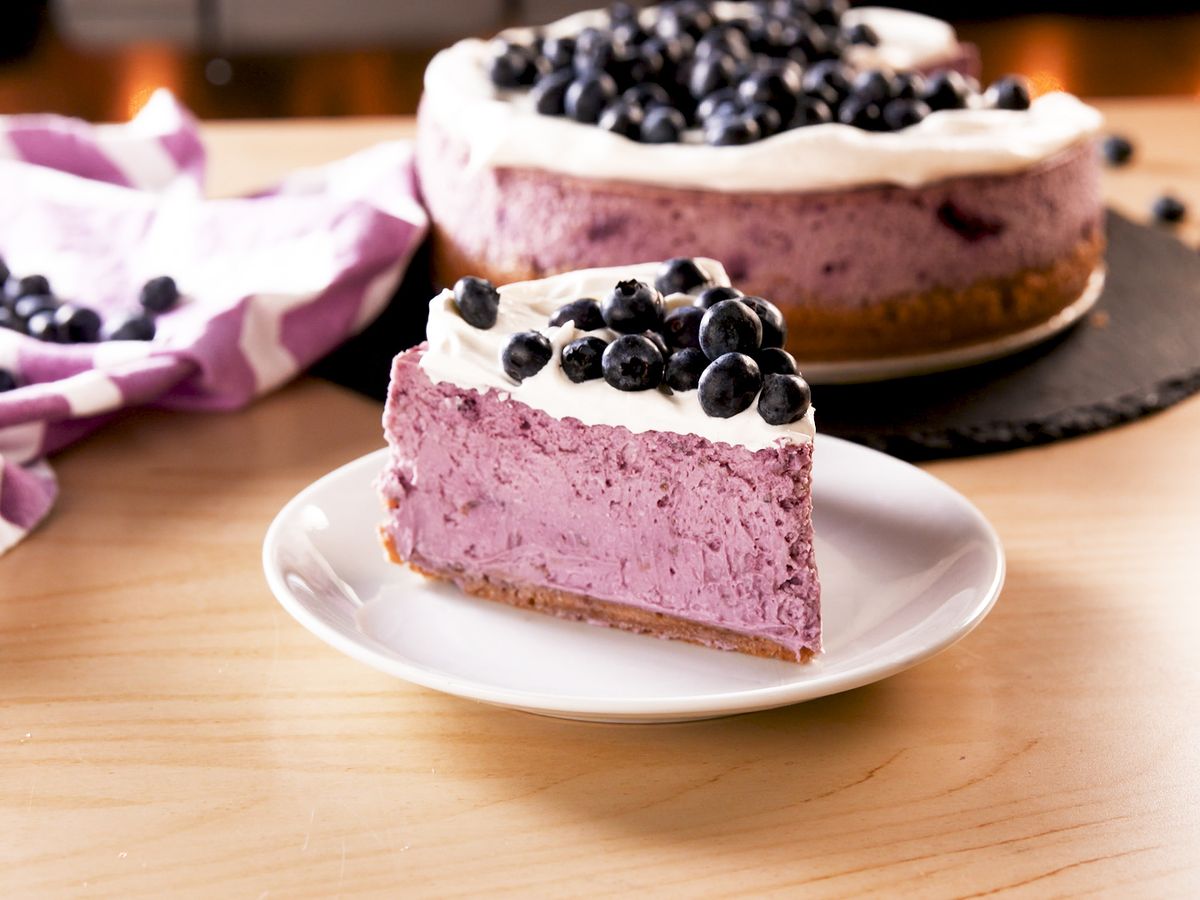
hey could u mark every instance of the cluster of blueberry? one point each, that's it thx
(29, 306)
(724, 345)
(735, 80)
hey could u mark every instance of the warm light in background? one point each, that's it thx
(145, 68)
(1047, 54)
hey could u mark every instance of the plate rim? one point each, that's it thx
(885, 368)
(658, 708)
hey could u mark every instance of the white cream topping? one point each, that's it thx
(502, 129)
(469, 357)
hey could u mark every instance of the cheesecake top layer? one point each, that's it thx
(469, 357)
(502, 128)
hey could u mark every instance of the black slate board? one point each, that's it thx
(1138, 352)
(1146, 357)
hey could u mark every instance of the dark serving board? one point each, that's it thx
(1136, 353)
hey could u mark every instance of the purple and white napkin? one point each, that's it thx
(270, 283)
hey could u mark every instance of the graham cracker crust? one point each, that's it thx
(939, 319)
(581, 608)
(943, 318)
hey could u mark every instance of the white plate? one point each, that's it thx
(861, 371)
(907, 567)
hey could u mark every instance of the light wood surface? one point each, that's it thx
(166, 729)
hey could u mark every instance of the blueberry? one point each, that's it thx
(827, 12)
(647, 95)
(663, 125)
(774, 329)
(1010, 92)
(621, 12)
(710, 73)
(769, 88)
(784, 399)
(622, 118)
(159, 294)
(629, 33)
(901, 114)
(862, 33)
(681, 327)
(134, 327)
(8, 381)
(4, 272)
(33, 284)
(684, 369)
(585, 313)
(10, 320)
(730, 327)
(684, 19)
(28, 305)
(581, 359)
(908, 85)
(814, 44)
(861, 113)
(659, 342)
(588, 95)
(44, 326)
(1117, 149)
(724, 102)
(511, 66)
(723, 42)
(710, 297)
(477, 300)
(732, 131)
(827, 75)
(77, 324)
(947, 89)
(810, 111)
(680, 275)
(873, 86)
(728, 385)
(594, 51)
(558, 52)
(776, 361)
(1168, 209)
(632, 307)
(767, 118)
(550, 91)
(632, 363)
(526, 353)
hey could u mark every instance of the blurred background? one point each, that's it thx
(229, 59)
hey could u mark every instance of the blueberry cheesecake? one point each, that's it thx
(629, 447)
(841, 161)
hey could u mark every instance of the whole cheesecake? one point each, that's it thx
(566, 446)
(963, 217)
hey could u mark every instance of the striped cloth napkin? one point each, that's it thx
(269, 283)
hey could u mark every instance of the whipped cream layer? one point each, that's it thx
(469, 357)
(502, 129)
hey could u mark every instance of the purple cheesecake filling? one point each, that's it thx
(844, 248)
(706, 532)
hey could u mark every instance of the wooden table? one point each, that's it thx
(167, 729)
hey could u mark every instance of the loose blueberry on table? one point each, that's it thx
(30, 307)
(684, 72)
(1168, 209)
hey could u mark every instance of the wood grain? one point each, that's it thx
(166, 729)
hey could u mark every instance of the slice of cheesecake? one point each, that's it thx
(519, 471)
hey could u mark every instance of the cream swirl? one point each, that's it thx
(501, 129)
(469, 357)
